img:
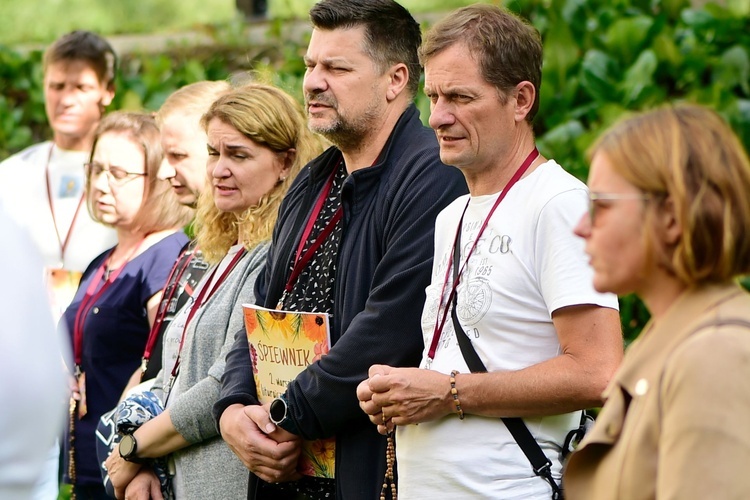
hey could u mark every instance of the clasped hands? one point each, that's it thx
(268, 451)
(400, 396)
(130, 480)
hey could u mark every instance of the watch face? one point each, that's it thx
(127, 445)
(277, 411)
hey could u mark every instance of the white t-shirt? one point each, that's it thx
(23, 192)
(527, 264)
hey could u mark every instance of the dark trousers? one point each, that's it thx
(90, 492)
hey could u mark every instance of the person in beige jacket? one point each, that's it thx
(670, 221)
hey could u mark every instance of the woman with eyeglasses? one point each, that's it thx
(257, 143)
(109, 319)
(670, 221)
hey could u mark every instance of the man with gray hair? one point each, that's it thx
(511, 291)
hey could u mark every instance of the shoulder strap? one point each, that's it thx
(539, 462)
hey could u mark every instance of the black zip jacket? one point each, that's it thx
(384, 265)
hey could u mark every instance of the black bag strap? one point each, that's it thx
(539, 462)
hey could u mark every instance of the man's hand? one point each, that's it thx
(269, 452)
(400, 396)
(144, 486)
(365, 394)
(121, 472)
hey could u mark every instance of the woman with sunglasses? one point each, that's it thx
(670, 221)
(109, 319)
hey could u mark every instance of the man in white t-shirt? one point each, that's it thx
(525, 298)
(41, 187)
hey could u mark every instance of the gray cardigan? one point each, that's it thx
(208, 468)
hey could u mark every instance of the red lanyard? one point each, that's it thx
(93, 293)
(301, 260)
(202, 298)
(63, 243)
(440, 321)
(174, 277)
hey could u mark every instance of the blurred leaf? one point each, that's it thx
(131, 101)
(599, 76)
(560, 140)
(193, 71)
(697, 18)
(19, 138)
(639, 77)
(612, 112)
(560, 56)
(739, 117)
(673, 7)
(666, 50)
(733, 69)
(740, 8)
(156, 99)
(627, 36)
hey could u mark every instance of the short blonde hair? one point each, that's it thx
(272, 118)
(192, 100)
(160, 208)
(689, 154)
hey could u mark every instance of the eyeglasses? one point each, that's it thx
(115, 175)
(594, 197)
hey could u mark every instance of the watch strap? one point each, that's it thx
(287, 422)
(131, 457)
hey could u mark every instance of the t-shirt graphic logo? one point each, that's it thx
(474, 300)
(69, 187)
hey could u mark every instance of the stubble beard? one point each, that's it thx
(347, 133)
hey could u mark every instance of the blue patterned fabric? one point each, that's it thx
(131, 413)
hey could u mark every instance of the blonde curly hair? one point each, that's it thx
(269, 117)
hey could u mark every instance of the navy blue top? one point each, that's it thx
(114, 336)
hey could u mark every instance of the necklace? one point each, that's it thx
(110, 268)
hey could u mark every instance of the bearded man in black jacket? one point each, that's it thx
(372, 198)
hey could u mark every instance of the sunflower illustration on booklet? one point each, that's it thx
(282, 344)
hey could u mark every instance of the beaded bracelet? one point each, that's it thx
(454, 392)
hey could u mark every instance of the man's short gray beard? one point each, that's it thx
(342, 135)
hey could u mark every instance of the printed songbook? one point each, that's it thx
(282, 344)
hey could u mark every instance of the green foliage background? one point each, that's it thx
(603, 60)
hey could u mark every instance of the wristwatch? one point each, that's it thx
(128, 448)
(280, 415)
(279, 411)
